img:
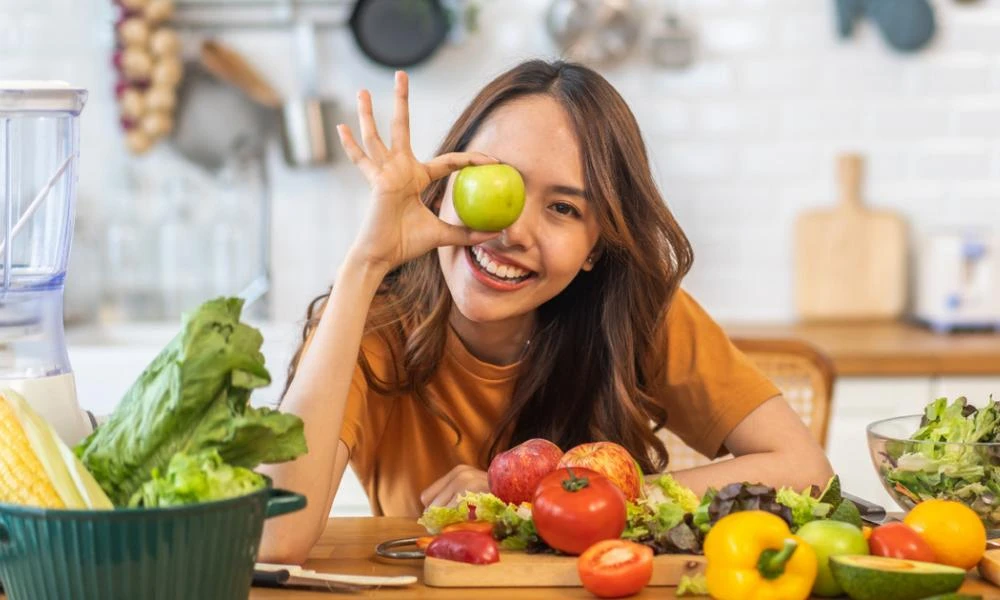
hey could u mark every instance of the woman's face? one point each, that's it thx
(539, 255)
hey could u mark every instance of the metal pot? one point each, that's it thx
(595, 32)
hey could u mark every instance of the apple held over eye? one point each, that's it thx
(488, 197)
(611, 460)
(513, 475)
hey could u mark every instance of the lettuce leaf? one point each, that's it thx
(193, 397)
(512, 524)
(436, 518)
(692, 585)
(199, 478)
(668, 488)
(804, 507)
(702, 519)
(661, 509)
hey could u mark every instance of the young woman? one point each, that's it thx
(438, 346)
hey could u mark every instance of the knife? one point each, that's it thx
(871, 513)
(282, 578)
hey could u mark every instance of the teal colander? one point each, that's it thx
(192, 552)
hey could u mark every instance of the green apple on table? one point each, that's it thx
(488, 197)
(831, 538)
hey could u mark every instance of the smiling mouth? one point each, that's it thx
(499, 272)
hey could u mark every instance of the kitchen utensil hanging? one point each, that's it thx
(308, 120)
(399, 34)
(595, 32)
(672, 42)
(229, 66)
(214, 119)
(906, 25)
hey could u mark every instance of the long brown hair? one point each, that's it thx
(585, 375)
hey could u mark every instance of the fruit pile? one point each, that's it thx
(147, 59)
(759, 542)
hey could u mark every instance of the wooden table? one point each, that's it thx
(348, 546)
(888, 347)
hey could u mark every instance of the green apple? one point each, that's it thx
(488, 197)
(831, 538)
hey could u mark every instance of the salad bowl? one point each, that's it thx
(950, 453)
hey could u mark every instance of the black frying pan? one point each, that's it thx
(399, 33)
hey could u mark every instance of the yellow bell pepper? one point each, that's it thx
(752, 555)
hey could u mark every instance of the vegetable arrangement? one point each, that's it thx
(758, 541)
(185, 431)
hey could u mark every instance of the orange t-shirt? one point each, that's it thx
(398, 448)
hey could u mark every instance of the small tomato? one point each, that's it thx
(899, 540)
(615, 568)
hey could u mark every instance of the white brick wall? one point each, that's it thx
(741, 142)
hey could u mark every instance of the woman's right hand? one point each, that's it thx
(398, 226)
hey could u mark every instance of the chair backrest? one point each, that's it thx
(803, 374)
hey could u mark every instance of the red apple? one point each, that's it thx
(612, 461)
(513, 475)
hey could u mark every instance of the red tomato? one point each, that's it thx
(464, 546)
(899, 540)
(477, 526)
(615, 568)
(575, 508)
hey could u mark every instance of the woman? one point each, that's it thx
(439, 346)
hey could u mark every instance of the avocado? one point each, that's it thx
(880, 578)
(954, 597)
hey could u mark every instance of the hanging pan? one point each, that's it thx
(399, 33)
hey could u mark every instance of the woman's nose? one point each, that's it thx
(518, 234)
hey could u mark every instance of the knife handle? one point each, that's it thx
(270, 578)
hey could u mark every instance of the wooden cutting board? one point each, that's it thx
(850, 261)
(517, 569)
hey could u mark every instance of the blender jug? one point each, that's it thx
(39, 156)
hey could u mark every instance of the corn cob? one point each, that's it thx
(22, 478)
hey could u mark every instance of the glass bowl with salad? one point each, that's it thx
(951, 451)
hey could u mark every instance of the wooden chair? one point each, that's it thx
(803, 374)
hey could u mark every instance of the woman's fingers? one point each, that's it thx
(401, 114)
(369, 134)
(456, 235)
(436, 488)
(355, 152)
(461, 479)
(441, 166)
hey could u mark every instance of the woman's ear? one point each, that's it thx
(588, 265)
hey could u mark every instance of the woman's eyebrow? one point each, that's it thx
(568, 190)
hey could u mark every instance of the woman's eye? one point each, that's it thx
(564, 208)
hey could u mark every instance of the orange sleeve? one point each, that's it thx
(707, 385)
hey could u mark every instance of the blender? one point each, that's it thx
(39, 158)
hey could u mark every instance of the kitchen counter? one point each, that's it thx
(889, 348)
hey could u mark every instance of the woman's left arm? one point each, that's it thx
(771, 445)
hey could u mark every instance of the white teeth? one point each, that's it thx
(496, 269)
